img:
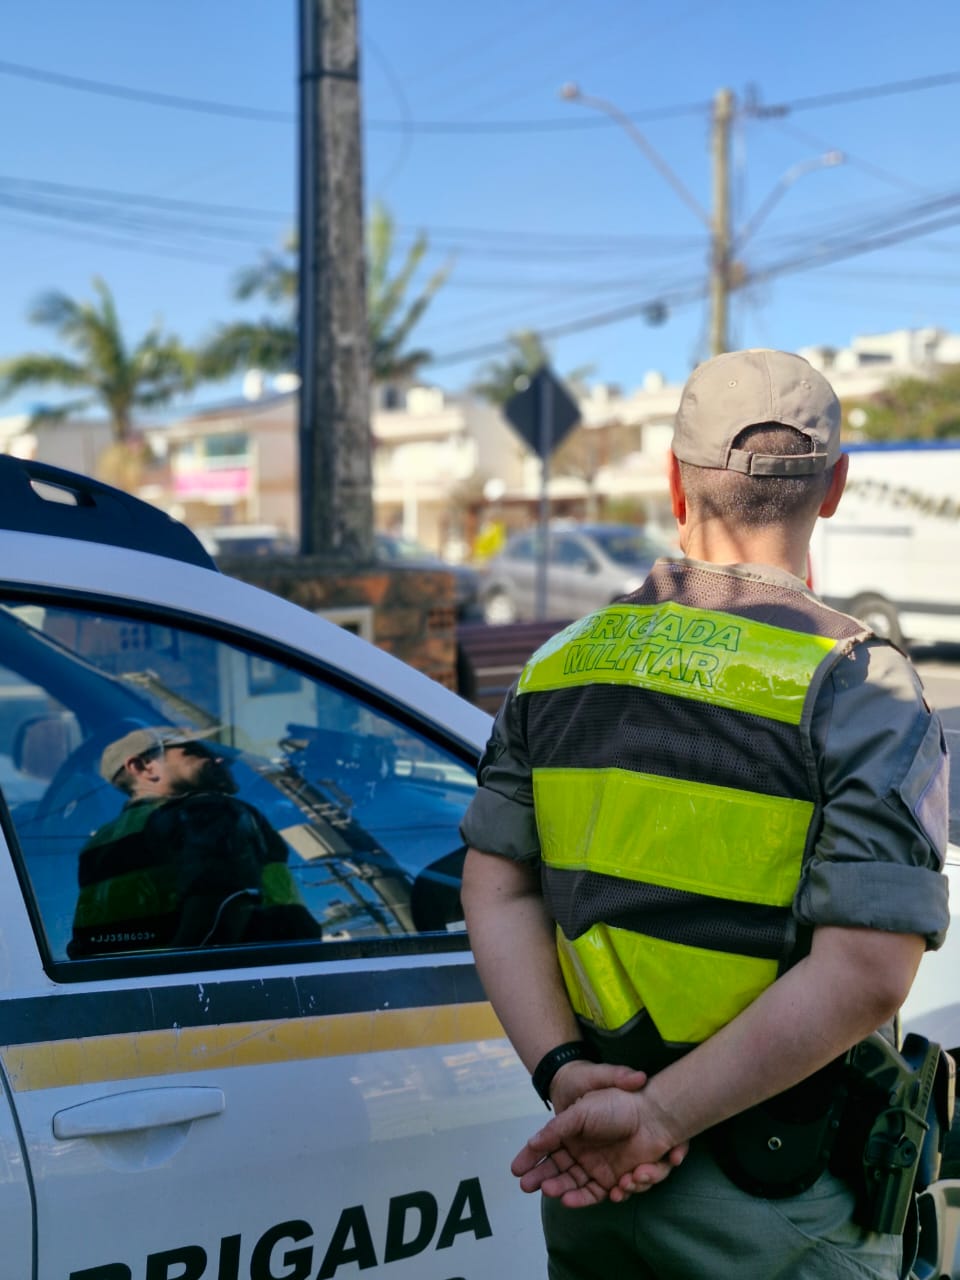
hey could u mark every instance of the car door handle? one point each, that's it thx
(137, 1109)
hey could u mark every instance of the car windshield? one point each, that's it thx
(629, 546)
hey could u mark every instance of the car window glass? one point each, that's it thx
(630, 546)
(569, 552)
(277, 807)
(522, 549)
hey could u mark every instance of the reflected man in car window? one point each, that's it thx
(185, 863)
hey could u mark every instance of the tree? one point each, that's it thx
(112, 377)
(498, 380)
(912, 409)
(272, 344)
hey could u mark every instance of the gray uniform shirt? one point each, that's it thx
(878, 858)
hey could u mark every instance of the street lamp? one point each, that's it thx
(829, 160)
(726, 274)
(571, 92)
(718, 224)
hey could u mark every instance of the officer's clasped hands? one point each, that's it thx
(608, 1144)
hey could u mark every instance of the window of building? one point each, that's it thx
(231, 445)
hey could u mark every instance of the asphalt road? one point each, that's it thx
(939, 668)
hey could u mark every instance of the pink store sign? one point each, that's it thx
(230, 482)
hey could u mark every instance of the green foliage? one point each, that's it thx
(271, 344)
(913, 409)
(498, 380)
(113, 377)
(391, 318)
(267, 344)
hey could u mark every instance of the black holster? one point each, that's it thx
(894, 1124)
(782, 1146)
(876, 1117)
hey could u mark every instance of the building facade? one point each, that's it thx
(445, 466)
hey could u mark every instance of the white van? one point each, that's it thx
(891, 554)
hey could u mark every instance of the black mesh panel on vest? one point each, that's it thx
(777, 606)
(624, 727)
(580, 899)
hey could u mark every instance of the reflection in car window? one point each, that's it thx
(315, 814)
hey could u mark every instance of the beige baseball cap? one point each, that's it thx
(141, 742)
(748, 389)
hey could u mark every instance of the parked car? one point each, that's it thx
(394, 550)
(321, 1104)
(588, 566)
(245, 540)
(268, 540)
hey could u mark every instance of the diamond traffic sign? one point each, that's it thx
(543, 413)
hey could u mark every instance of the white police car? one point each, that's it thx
(286, 1110)
(324, 1108)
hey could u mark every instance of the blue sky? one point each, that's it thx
(550, 213)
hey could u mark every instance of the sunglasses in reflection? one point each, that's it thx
(197, 749)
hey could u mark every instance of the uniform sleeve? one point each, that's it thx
(500, 818)
(878, 860)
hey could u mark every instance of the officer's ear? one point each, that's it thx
(678, 499)
(835, 490)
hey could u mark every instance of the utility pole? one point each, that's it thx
(336, 504)
(720, 239)
(723, 277)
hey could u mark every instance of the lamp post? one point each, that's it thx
(717, 224)
(571, 92)
(829, 160)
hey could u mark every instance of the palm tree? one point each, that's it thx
(272, 344)
(111, 376)
(498, 380)
(390, 318)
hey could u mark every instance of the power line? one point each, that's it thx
(571, 238)
(132, 222)
(205, 218)
(138, 245)
(209, 106)
(683, 296)
(672, 301)
(175, 101)
(867, 244)
(571, 124)
(110, 194)
(866, 166)
(755, 108)
(441, 63)
(863, 220)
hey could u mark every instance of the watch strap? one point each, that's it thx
(551, 1062)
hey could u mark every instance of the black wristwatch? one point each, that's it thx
(550, 1064)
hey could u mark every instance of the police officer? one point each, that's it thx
(186, 863)
(705, 862)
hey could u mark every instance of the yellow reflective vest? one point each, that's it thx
(676, 793)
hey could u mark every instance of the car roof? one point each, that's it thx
(92, 571)
(38, 498)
